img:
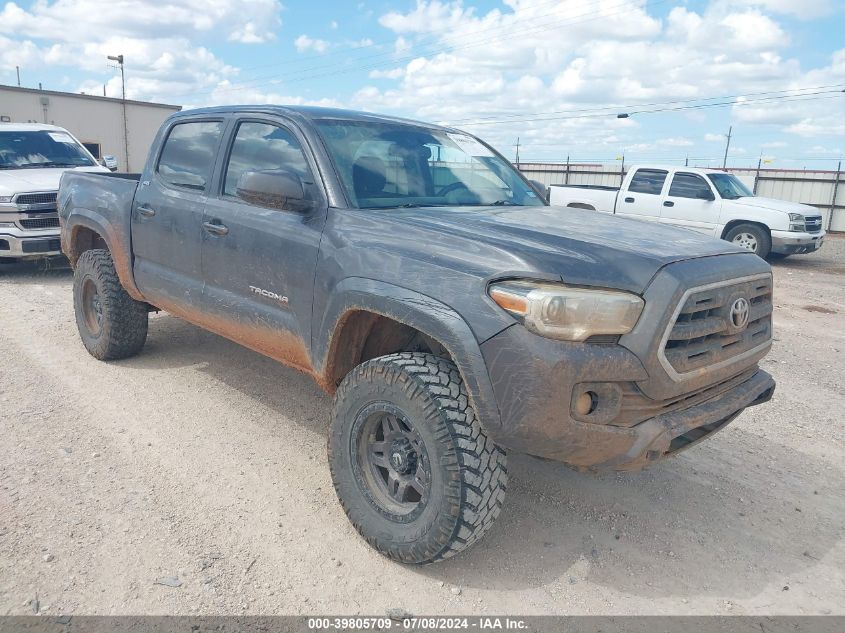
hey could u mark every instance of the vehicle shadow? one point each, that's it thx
(37, 270)
(728, 517)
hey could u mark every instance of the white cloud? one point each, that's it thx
(393, 73)
(803, 10)
(502, 64)
(76, 20)
(714, 138)
(163, 62)
(675, 141)
(304, 43)
(225, 95)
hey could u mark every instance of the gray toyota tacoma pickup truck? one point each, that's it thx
(421, 280)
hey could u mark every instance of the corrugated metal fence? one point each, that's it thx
(822, 189)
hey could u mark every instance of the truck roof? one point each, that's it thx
(30, 127)
(693, 170)
(310, 113)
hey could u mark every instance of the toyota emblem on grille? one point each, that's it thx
(739, 313)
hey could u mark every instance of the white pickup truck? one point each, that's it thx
(33, 158)
(705, 200)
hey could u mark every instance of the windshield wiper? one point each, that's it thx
(504, 203)
(407, 205)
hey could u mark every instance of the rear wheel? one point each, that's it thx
(751, 237)
(413, 469)
(112, 325)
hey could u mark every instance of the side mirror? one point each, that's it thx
(706, 194)
(541, 189)
(274, 189)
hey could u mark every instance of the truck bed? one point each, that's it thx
(101, 202)
(595, 197)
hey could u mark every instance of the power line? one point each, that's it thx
(614, 108)
(595, 114)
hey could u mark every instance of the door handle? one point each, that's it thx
(215, 228)
(146, 211)
(668, 203)
(629, 199)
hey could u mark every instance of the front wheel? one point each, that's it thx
(112, 325)
(412, 467)
(751, 237)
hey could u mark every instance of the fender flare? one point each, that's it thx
(416, 310)
(117, 243)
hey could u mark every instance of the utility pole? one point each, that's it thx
(727, 147)
(517, 152)
(119, 60)
(18, 70)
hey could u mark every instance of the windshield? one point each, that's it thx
(729, 186)
(386, 165)
(34, 149)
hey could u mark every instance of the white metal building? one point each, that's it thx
(96, 121)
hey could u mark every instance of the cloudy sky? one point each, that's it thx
(553, 73)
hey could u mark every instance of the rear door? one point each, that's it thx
(259, 261)
(167, 214)
(691, 203)
(642, 197)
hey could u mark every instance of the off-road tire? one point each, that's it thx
(468, 471)
(761, 235)
(123, 328)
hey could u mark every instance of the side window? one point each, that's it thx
(187, 157)
(94, 148)
(689, 186)
(648, 181)
(261, 147)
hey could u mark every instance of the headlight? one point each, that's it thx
(568, 314)
(7, 225)
(5, 199)
(797, 222)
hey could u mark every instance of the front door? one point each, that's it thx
(258, 261)
(691, 203)
(167, 215)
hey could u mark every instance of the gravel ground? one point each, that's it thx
(193, 479)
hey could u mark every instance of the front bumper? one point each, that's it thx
(792, 243)
(536, 381)
(15, 242)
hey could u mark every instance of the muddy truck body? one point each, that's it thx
(424, 283)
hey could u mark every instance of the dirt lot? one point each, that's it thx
(201, 464)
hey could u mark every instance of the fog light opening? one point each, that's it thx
(587, 403)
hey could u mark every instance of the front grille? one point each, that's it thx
(813, 223)
(36, 198)
(40, 223)
(705, 332)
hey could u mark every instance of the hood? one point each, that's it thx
(14, 181)
(776, 205)
(583, 247)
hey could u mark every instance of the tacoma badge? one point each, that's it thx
(269, 294)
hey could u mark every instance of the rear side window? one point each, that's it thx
(688, 186)
(261, 147)
(648, 181)
(187, 157)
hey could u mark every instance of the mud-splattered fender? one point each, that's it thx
(116, 241)
(416, 310)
